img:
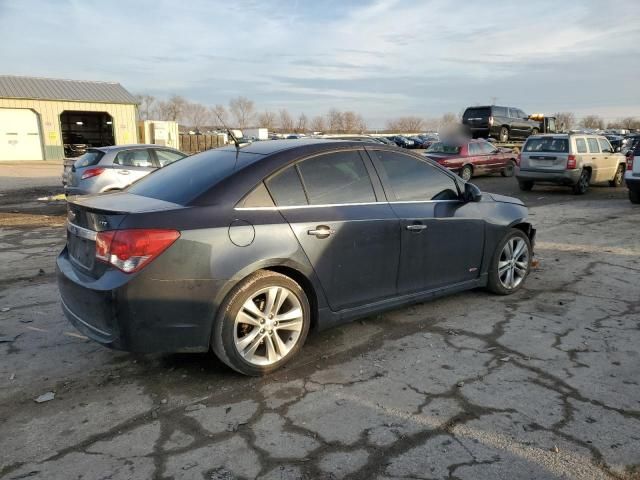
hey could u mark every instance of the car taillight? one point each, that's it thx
(491, 121)
(630, 161)
(92, 172)
(571, 162)
(130, 250)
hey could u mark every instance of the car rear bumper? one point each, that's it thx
(560, 177)
(137, 313)
(633, 182)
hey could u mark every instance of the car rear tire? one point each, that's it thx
(262, 324)
(582, 186)
(511, 263)
(634, 196)
(525, 185)
(618, 177)
(504, 134)
(466, 173)
(509, 169)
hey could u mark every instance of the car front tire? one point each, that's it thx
(511, 263)
(618, 177)
(262, 324)
(466, 173)
(509, 169)
(504, 134)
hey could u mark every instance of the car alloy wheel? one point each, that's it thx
(618, 177)
(268, 326)
(513, 264)
(582, 186)
(504, 134)
(466, 173)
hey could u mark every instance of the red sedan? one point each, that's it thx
(473, 157)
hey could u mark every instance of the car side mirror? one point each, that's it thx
(471, 193)
(617, 149)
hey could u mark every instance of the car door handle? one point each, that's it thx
(321, 231)
(416, 227)
(124, 172)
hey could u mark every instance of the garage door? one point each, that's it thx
(19, 135)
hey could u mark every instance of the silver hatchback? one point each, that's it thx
(113, 168)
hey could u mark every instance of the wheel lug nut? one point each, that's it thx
(262, 330)
(262, 320)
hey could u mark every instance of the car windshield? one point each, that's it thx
(441, 147)
(182, 181)
(556, 145)
(92, 157)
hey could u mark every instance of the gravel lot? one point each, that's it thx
(541, 384)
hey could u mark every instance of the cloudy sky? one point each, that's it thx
(382, 58)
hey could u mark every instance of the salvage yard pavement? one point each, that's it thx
(541, 384)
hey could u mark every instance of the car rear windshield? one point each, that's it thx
(92, 157)
(555, 145)
(477, 113)
(184, 180)
(441, 147)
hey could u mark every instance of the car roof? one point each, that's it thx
(115, 148)
(268, 147)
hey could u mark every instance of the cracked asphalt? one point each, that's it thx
(542, 384)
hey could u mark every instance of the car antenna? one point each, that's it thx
(233, 137)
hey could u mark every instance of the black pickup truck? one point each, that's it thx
(505, 123)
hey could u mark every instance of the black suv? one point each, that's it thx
(502, 123)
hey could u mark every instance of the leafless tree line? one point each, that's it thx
(241, 113)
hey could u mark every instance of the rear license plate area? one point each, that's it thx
(81, 250)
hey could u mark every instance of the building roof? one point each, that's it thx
(34, 88)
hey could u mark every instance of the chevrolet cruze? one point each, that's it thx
(243, 250)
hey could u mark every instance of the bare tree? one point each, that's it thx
(267, 120)
(448, 119)
(629, 123)
(172, 108)
(145, 106)
(243, 111)
(406, 124)
(431, 124)
(301, 127)
(335, 121)
(286, 122)
(219, 115)
(318, 124)
(565, 120)
(195, 115)
(592, 121)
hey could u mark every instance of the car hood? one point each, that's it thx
(504, 199)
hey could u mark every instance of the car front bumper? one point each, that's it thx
(560, 177)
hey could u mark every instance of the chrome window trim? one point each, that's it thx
(81, 232)
(293, 207)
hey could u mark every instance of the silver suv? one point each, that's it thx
(575, 160)
(113, 168)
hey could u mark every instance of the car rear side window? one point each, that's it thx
(593, 145)
(286, 188)
(474, 149)
(415, 180)
(605, 146)
(134, 158)
(92, 157)
(581, 145)
(165, 157)
(499, 112)
(339, 177)
(182, 182)
(547, 144)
